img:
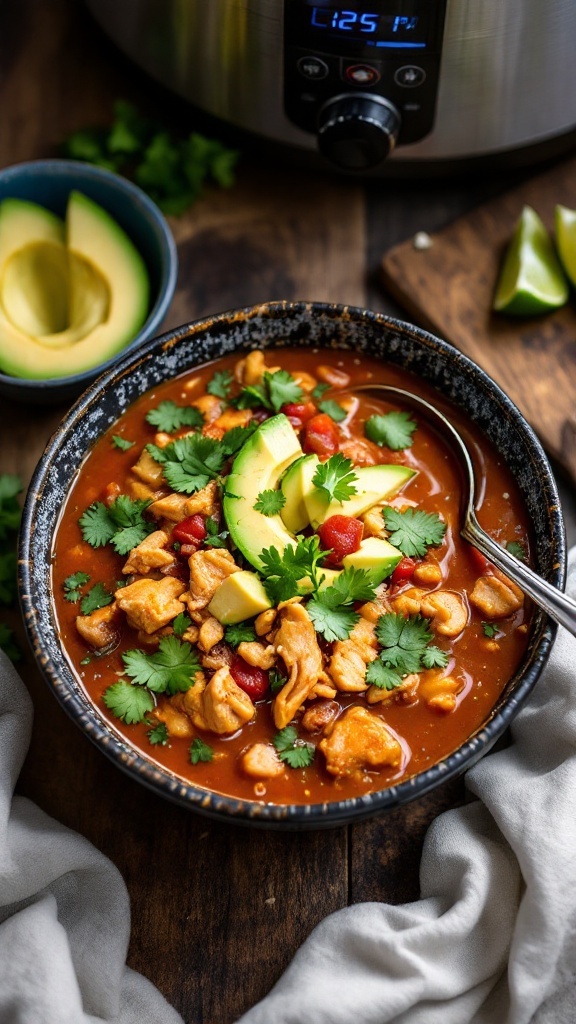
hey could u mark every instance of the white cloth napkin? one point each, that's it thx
(491, 941)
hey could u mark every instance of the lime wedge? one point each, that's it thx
(565, 231)
(531, 280)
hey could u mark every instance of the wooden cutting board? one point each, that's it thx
(448, 288)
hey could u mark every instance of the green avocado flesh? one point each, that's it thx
(72, 293)
(273, 455)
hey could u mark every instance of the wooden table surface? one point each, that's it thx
(217, 910)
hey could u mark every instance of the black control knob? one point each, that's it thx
(357, 131)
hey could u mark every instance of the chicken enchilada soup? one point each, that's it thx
(259, 580)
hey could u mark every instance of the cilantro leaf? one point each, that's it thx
(333, 623)
(350, 585)
(434, 657)
(72, 585)
(128, 702)
(169, 417)
(296, 753)
(121, 523)
(269, 502)
(215, 538)
(239, 633)
(158, 734)
(333, 410)
(516, 549)
(393, 430)
(413, 531)
(122, 443)
(489, 629)
(381, 676)
(8, 644)
(336, 477)
(97, 597)
(220, 384)
(171, 669)
(330, 609)
(283, 571)
(234, 439)
(253, 396)
(181, 623)
(190, 462)
(319, 391)
(277, 681)
(200, 751)
(404, 640)
(282, 389)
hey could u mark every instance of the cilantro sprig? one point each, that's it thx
(121, 524)
(336, 478)
(122, 443)
(331, 609)
(406, 648)
(240, 633)
(97, 597)
(73, 584)
(295, 752)
(190, 462)
(169, 417)
(413, 531)
(129, 703)
(333, 409)
(392, 430)
(277, 389)
(171, 669)
(200, 751)
(220, 384)
(284, 571)
(269, 502)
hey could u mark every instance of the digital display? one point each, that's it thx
(382, 24)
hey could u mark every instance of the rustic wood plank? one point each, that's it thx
(449, 287)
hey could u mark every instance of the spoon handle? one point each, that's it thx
(559, 607)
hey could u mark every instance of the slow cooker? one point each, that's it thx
(375, 86)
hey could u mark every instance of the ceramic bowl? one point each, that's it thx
(49, 183)
(277, 324)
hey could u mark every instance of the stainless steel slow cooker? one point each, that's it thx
(372, 84)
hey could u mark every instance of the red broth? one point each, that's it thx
(426, 730)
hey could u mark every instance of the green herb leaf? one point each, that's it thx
(413, 531)
(292, 750)
(319, 391)
(122, 443)
(128, 702)
(240, 633)
(220, 384)
(283, 571)
(121, 523)
(181, 623)
(336, 477)
(333, 623)
(282, 389)
(434, 657)
(253, 396)
(235, 438)
(157, 734)
(169, 417)
(277, 681)
(269, 502)
(190, 462)
(72, 585)
(200, 751)
(489, 629)
(330, 609)
(97, 597)
(381, 676)
(393, 430)
(516, 549)
(171, 669)
(404, 640)
(215, 538)
(333, 410)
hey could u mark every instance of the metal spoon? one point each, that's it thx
(559, 607)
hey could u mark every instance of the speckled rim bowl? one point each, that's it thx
(49, 183)
(280, 324)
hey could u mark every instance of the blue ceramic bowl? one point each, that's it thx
(453, 375)
(49, 183)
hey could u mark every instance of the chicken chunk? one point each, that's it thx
(207, 570)
(227, 420)
(211, 633)
(408, 602)
(252, 368)
(176, 720)
(151, 604)
(219, 656)
(320, 716)
(406, 693)
(99, 629)
(428, 573)
(148, 470)
(495, 597)
(176, 507)
(374, 522)
(225, 707)
(257, 654)
(440, 692)
(264, 622)
(448, 611)
(359, 740)
(295, 642)
(350, 658)
(260, 761)
(209, 406)
(150, 554)
(361, 451)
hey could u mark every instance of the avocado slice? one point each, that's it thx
(296, 482)
(89, 265)
(377, 556)
(240, 596)
(258, 467)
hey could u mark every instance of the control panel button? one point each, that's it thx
(409, 76)
(361, 74)
(313, 68)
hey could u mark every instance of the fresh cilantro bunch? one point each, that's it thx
(191, 462)
(336, 478)
(296, 753)
(277, 389)
(173, 171)
(406, 648)
(284, 571)
(393, 430)
(121, 524)
(171, 669)
(413, 531)
(331, 609)
(169, 417)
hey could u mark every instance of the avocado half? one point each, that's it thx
(72, 294)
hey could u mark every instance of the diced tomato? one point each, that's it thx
(321, 436)
(341, 533)
(404, 571)
(299, 412)
(191, 530)
(479, 561)
(253, 680)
